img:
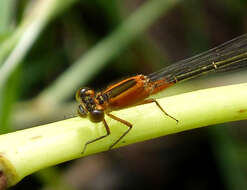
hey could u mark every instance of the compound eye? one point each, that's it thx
(81, 93)
(97, 115)
(81, 111)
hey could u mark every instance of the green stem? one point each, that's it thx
(6, 15)
(26, 151)
(26, 34)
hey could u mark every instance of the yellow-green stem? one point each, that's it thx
(26, 151)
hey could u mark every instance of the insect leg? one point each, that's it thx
(151, 100)
(129, 125)
(108, 132)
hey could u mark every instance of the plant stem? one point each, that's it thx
(26, 34)
(26, 151)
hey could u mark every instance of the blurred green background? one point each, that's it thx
(49, 48)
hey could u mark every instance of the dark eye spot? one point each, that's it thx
(81, 94)
(81, 111)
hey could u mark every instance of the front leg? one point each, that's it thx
(108, 132)
(129, 125)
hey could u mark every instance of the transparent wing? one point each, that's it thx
(227, 56)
